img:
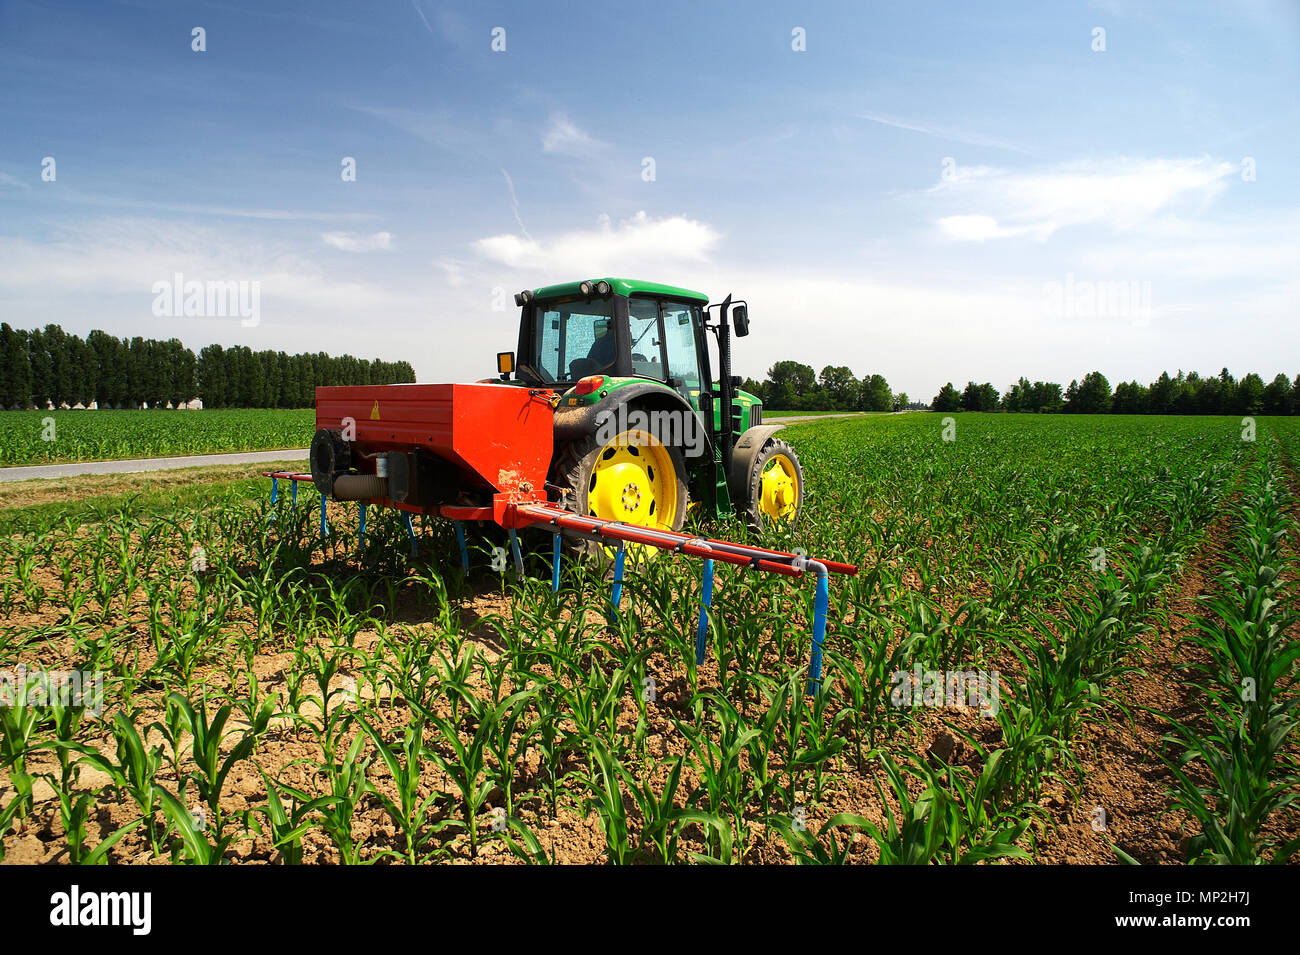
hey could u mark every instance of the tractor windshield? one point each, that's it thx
(574, 339)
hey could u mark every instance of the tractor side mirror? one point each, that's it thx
(740, 320)
(505, 363)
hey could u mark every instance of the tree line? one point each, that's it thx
(792, 386)
(48, 366)
(1181, 394)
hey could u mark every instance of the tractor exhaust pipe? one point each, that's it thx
(726, 436)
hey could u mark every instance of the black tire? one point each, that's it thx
(329, 456)
(573, 472)
(753, 491)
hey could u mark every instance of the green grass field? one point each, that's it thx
(47, 437)
(1096, 584)
(767, 413)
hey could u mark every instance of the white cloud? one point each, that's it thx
(959, 173)
(1122, 194)
(356, 242)
(973, 228)
(455, 272)
(921, 335)
(124, 257)
(565, 138)
(635, 246)
(1223, 291)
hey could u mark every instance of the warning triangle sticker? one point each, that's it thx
(374, 412)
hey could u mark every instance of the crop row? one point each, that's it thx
(1233, 769)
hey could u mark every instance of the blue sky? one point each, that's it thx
(934, 192)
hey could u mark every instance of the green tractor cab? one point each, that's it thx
(644, 426)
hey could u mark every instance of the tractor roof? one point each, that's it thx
(622, 287)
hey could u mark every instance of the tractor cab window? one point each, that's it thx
(643, 323)
(664, 337)
(681, 324)
(574, 339)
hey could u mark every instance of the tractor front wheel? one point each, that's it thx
(775, 492)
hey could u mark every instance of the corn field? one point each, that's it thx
(47, 437)
(1095, 584)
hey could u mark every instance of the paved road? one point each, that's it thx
(801, 419)
(252, 457)
(149, 464)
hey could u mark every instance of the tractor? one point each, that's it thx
(605, 424)
(640, 425)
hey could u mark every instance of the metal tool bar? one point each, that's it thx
(758, 558)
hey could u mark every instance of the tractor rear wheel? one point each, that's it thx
(775, 492)
(633, 478)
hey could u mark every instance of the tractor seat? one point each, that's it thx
(599, 360)
(582, 367)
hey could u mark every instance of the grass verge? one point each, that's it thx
(44, 501)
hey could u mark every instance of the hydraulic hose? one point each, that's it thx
(359, 487)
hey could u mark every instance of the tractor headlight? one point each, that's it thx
(524, 297)
(602, 287)
(585, 288)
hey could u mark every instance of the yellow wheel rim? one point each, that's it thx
(778, 490)
(634, 481)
